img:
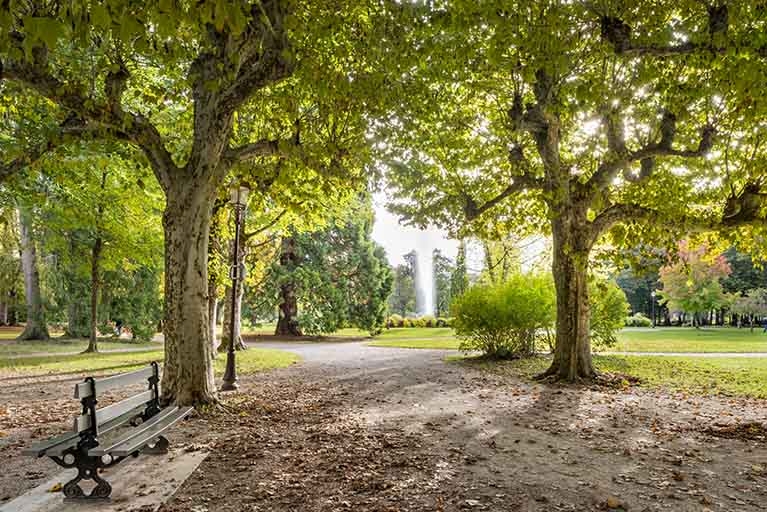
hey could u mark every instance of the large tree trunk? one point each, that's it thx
(572, 355)
(95, 288)
(239, 344)
(287, 323)
(188, 371)
(35, 328)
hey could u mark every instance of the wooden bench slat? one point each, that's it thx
(139, 442)
(127, 436)
(83, 421)
(57, 445)
(83, 389)
(40, 449)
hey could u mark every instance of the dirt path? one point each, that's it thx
(377, 429)
(362, 428)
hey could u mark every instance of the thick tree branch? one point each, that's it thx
(266, 226)
(618, 34)
(618, 213)
(108, 119)
(264, 147)
(264, 54)
(472, 210)
(69, 130)
(622, 158)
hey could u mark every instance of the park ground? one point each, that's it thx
(358, 427)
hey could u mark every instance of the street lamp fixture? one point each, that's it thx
(652, 306)
(239, 200)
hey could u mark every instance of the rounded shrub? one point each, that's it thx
(608, 311)
(505, 320)
(394, 321)
(637, 320)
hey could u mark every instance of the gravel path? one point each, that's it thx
(364, 428)
(375, 429)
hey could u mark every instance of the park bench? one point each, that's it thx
(101, 438)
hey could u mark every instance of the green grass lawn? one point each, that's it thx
(692, 375)
(687, 339)
(661, 339)
(249, 361)
(58, 345)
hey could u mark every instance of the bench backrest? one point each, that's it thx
(88, 391)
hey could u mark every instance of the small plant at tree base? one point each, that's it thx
(505, 320)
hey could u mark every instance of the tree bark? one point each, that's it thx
(572, 355)
(35, 328)
(287, 323)
(188, 371)
(95, 289)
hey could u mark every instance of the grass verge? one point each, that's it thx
(248, 361)
(59, 345)
(688, 339)
(736, 376)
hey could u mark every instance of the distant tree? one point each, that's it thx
(746, 275)
(402, 299)
(692, 283)
(443, 272)
(460, 280)
(753, 305)
(35, 327)
(10, 266)
(333, 277)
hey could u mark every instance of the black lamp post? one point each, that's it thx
(239, 199)
(652, 307)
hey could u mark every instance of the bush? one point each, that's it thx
(394, 321)
(638, 320)
(429, 321)
(608, 311)
(507, 319)
(443, 322)
(407, 322)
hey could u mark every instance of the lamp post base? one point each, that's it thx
(229, 386)
(230, 375)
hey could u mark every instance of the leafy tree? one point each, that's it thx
(171, 79)
(746, 274)
(459, 282)
(402, 299)
(593, 119)
(10, 266)
(693, 283)
(443, 273)
(332, 278)
(35, 327)
(752, 305)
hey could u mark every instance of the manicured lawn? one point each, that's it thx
(249, 361)
(692, 375)
(57, 345)
(417, 337)
(688, 339)
(661, 339)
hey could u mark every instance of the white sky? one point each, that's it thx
(399, 240)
